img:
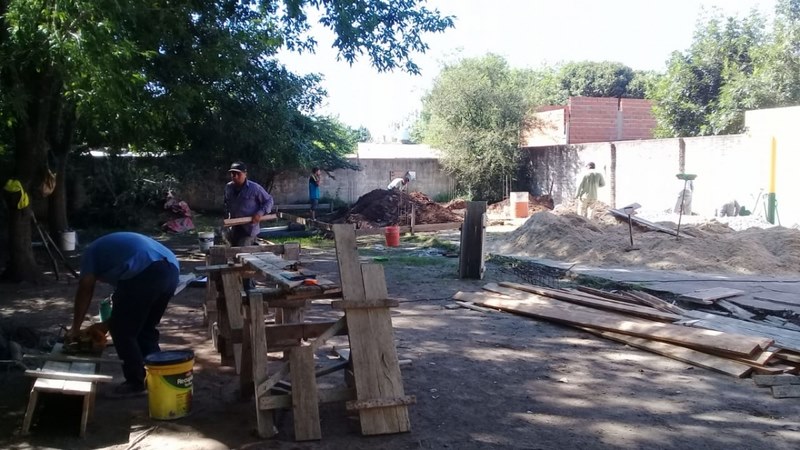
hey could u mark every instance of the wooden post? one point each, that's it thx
(413, 217)
(374, 357)
(473, 232)
(265, 420)
(305, 398)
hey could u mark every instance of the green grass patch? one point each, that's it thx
(429, 242)
(317, 241)
(416, 261)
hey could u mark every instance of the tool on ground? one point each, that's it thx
(686, 177)
(630, 210)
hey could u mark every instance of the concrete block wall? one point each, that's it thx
(638, 121)
(727, 167)
(292, 187)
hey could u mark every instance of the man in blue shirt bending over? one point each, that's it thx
(144, 274)
(245, 198)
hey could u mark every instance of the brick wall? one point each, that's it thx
(594, 119)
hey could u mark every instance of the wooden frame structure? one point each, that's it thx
(244, 340)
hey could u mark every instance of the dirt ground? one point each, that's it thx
(482, 380)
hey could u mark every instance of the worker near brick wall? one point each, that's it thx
(144, 274)
(586, 194)
(245, 198)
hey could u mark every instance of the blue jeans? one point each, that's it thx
(138, 304)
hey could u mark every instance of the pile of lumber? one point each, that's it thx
(641, 320)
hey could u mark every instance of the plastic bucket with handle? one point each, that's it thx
(169, 383)
(206, 240)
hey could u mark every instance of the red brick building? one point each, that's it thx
(592, 119)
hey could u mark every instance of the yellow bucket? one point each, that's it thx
(169, 383)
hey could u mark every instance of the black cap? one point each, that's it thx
(238, 167)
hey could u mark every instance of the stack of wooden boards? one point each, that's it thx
(723, 344)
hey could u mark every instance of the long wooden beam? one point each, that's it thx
(246, 220)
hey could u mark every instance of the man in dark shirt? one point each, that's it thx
(245, 198)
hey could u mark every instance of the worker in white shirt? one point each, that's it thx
(399, 184)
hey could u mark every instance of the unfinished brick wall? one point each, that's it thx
(595, 119)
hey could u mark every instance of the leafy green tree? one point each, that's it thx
(473, 114)
(148, 77)
(707, 87)
(363, 134)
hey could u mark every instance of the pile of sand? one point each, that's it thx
(535, 204)
(712, 247)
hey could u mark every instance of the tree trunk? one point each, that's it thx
(62, 125)
(21, 264)
(30, 157)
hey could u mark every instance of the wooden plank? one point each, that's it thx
(265, 421)
(788, 356)
(232, 287)
(356, 405)
(68, 376)
(646, 223)
(305, 402)
(678, 353)
(267, 384)
(375, 368)
(375, 363)
(655, 302)
(607, 321)
(305, 330)
(775, 380)
(788, 391)
(304, 221)
(786, 339)
(471, 262)
(71, 358)
(633, 310)
(472, 306)
(246, 385)
(325, 396)
(376, 303)
(707, 296)
(246, 220)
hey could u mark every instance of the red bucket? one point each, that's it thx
(392, 236)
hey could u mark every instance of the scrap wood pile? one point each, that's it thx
(382, 207)
(727, 345)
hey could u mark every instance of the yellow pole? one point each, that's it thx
(771, 200)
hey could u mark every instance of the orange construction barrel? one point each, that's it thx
(392, 236)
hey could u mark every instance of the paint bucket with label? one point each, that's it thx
(169, 383)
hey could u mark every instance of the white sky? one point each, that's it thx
(528, 33)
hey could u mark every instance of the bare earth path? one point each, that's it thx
(482, 380)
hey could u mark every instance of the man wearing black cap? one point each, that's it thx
(244, 198)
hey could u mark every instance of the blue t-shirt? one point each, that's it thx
(313, 188)
(123, 255)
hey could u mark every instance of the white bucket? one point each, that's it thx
(206, 239)
(68, 240)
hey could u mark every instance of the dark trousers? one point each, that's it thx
(138, 304)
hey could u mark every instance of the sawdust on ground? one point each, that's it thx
(712, 246)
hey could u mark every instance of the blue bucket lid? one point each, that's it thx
(169, 357)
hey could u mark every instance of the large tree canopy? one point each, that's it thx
(474, 114)
(188, 76)
(734, 64)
